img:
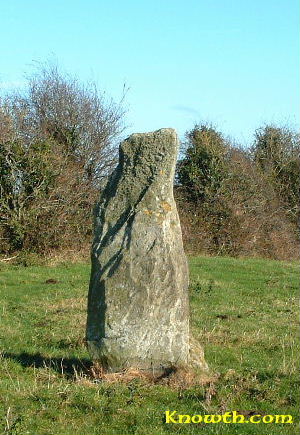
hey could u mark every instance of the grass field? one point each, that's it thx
(244, 312)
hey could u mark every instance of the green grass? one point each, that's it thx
(244, 312)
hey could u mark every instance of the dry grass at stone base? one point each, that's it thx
(173, 377)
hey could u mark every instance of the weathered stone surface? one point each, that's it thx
(138, 310)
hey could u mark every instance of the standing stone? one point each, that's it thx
(138, 310)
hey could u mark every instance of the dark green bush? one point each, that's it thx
(276, 152)
(233, 201)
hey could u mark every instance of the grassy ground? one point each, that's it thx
(243, 311)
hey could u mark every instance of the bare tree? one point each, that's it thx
(76, 116)
(57, 141)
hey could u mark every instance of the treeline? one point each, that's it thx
(58, 143)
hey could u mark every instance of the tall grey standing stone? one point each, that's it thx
(138, 310)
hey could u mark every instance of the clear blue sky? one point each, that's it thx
(231, 62)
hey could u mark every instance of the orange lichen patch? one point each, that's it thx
(166, 206)
(159, 216)
(149, 212)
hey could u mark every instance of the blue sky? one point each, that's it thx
(232, 63)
